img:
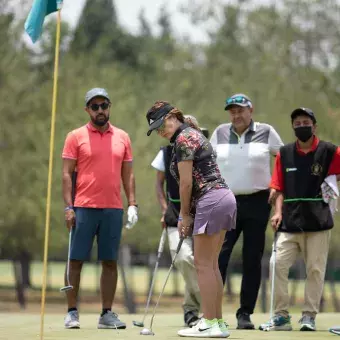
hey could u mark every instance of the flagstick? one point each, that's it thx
(50, 167)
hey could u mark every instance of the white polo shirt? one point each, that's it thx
(244, 161)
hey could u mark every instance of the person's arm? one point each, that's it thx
(69, 166)
(276, 184)
(279, 203)
(129, 184)
(334, 167)
(185, 186)
(70, 156)
(160, 192)
(277, 217)
(274, 142)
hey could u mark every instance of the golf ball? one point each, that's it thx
(146, 331)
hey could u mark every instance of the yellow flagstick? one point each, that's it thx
(50, 168)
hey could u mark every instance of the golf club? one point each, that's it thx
(273, 278)
(267, 329)
(148, 331)
(68, 287)
(160, 251)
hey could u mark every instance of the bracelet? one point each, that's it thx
(68, 208)
(180, 218)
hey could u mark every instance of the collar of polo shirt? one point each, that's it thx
(93, 129)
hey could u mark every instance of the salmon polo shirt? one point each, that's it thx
(99, 157)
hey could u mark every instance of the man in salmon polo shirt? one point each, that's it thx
(102, 156)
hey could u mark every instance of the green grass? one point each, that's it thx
(138, 279)
(27, 326)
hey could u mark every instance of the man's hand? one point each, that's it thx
(185, 225)
(132, 217)
(70, 218)
(163, 221)
(276, 221)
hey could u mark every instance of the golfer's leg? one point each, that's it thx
(316, 262)
(219, 277)
(185, 264)
(286, 253)
(75, 271)
(81, 245)
(229, 242)
(108, 238)
(206, 247)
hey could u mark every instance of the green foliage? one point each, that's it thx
(263, 51)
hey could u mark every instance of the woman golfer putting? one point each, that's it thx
(208, 209)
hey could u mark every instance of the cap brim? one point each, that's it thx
(301, 112)
(236, 104)
(155, 125)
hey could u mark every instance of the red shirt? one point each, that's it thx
(277, 176)
(99, 159)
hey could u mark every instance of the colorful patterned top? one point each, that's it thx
(190, 144)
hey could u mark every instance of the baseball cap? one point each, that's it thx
(156, 118)
(303, 111)
(96, 92)
(238, 99)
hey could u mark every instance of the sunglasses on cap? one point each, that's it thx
(95, 107)
(237, 100)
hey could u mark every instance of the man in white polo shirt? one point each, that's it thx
(244, 149)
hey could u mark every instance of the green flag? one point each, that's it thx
(35, 20)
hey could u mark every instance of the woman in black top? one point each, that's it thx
(208, 209)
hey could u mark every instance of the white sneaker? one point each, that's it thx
(224, 328)
(204, 329)
(72, 320)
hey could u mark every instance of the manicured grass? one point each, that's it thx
(138, 280)
(14, 326)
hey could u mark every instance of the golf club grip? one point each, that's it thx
(162, 241)
(180, 244)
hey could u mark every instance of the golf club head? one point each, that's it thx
(146, 331)
(66, 288)
(138, 323)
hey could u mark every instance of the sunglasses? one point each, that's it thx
(238, 100)
(95, 107)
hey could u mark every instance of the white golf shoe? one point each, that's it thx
(204, 329)
(72, 320)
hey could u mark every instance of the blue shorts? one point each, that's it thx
(106, 224)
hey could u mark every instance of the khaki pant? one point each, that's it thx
(314, 248)
(185, 264)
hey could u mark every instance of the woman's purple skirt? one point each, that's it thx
(215, 211)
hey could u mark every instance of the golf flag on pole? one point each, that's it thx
(35, 20)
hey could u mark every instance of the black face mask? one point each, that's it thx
(303, 133)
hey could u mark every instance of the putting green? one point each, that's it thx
(13, 326)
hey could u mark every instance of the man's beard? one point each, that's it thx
(100, 122)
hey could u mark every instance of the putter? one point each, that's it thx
(273, 279)
(160, 251)
(68, 287)
(267, 329)
(148, 331)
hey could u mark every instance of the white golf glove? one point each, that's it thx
(132, 217)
